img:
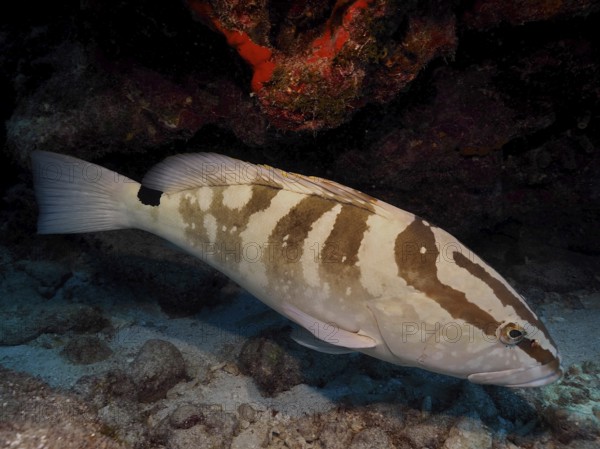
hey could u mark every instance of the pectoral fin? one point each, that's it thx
(308, 340)
(329, 333)
(401, 327)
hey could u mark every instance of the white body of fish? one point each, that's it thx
(356, 273)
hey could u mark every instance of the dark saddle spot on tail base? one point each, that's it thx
(149, 197)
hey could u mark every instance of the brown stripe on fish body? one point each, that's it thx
(228, 223)
(339, 255)
(260, 200)
(287, 238)
(232, 221)
(508, 298)
(503, 293)
(192, 215)
(536, 351)
(416, 255)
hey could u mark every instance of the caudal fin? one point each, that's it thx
(77, 196)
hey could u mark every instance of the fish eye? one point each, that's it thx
(511, 334)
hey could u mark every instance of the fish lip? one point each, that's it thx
(535, 376)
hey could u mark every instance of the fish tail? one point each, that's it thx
(75, 196)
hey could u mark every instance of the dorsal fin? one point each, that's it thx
(193, 170)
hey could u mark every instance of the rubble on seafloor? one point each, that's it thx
(229, 376)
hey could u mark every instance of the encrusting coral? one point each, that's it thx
(317, 64)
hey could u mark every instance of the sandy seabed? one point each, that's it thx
(115, 340)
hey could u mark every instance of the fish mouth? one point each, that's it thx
(535, 376)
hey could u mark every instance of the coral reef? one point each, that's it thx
(112, 96)
(154, 78)
(490, 13)
(318, 64)
(125, 106)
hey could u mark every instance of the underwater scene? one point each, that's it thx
(336, 224)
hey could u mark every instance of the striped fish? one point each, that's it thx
(355, 273)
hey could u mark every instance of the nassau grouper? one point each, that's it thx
(355, 273)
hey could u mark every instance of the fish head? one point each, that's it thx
(528, 357)
(456, 315)
(511, 352)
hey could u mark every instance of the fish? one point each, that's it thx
(355, 274)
